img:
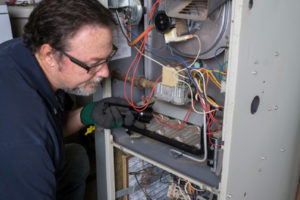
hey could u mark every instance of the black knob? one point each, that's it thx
(162, 22)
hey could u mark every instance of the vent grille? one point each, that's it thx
(187, 9)
(195, 7)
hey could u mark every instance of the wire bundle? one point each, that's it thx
(199, 77)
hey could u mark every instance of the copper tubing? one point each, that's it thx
(139, 81)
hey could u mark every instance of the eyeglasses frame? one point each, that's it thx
(85, 66)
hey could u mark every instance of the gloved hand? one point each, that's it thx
(108, 113)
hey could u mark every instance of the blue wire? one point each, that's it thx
(215, 55)
(175, 57)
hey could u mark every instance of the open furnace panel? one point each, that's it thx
(180, 51)
(178, 69)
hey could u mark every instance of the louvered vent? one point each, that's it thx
(187, 9)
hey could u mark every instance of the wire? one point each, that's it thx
(175, 58)
(153, 9)
(204, 89)
(198, 190)
(217, 60)
(177, 127)
(140, 53)
(210, 75)
(188, 67)
(221, 69)
(149, 28)
(121, 27)
(203, 159)
(215, 55)
(142, 188)
(141, 49)
(148, 57)
(199, 50)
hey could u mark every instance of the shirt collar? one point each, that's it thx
(32, 72)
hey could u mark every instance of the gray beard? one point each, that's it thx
(82, 91)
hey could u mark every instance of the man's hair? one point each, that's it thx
(53, 22)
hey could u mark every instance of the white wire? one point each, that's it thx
(122, 28)
(182, 194)
(204, 88)
(128, 39)
(198, 54)
(180, 190)
(174, 72)
(192, 99)
(187, 182)
(199, 50)
(179, 153)
(185, 187)
(178, 73)
(152, 59)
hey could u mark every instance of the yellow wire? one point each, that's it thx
(212, 75)
(199, 81)
(205, 92)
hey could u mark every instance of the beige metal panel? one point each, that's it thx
(261, 150)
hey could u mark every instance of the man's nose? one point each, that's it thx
(103, 72)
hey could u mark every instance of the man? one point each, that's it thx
(65, 48)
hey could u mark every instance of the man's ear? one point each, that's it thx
(46, 53)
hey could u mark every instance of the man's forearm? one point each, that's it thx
(72, 122)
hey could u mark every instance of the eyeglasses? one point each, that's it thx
(92, 68)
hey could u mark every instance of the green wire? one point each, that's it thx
(221, 69)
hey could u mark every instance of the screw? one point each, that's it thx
(254, 72)
(275, 107)
(259, 170)
(276, 53)
(263, 158)
(282, 149)
(228, 196)
(270, 108)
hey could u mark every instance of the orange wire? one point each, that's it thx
(149, 28)
(207, 78)
(214, 82)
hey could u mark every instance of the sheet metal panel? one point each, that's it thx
(261, 153)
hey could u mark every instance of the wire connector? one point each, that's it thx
(171, 36)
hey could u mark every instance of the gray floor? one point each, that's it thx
(156, 190)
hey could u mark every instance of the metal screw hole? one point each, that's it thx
(254, 105)
(250, 4)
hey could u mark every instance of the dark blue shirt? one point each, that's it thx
(31, 117)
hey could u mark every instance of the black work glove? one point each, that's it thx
(108, 113)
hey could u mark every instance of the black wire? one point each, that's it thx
(142, 188)
(118, 18)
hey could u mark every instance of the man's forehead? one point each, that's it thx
(92, 39)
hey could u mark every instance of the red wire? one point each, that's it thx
(212, 119)
(142, 108)
(141, 49)
(153, 9)
(132, 80)
(177, 127)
